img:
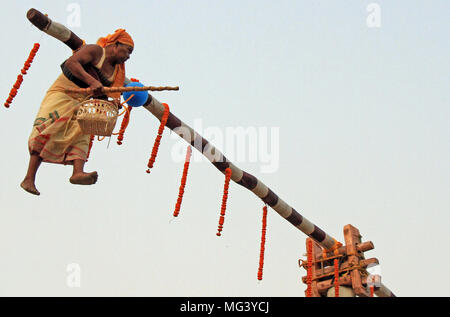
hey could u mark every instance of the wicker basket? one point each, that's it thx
(97, 117)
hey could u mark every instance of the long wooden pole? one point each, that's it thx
(243, 178)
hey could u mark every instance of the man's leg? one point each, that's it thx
(79, 177)
(28, 181)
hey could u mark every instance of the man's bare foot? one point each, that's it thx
(84, 178)
(29, 186)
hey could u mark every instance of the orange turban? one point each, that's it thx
(121, 36)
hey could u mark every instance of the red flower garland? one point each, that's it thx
(126, 118)
(183, 182)
(224, 200)
(336, 278)
(164, 118)
(23, 71)
(263, 242)
(124, 124)
(309, 248)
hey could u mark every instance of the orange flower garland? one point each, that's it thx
(372, 290)
(309, 249)
(164, 118)
(183, 182)
(124, 124)
(336, 278)
(263, 242)
(224, 200)
(126, 118)
(19, 80)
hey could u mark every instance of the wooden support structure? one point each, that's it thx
(352, 268)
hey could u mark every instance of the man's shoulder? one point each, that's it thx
(93, 48)
(94, 51)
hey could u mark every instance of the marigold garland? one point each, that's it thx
(124, 124)
(309, 248)
(125, 120)
(183, 182)
(263, 242)
(23, 71)
(372, 290)
(336, 278)
(164, 118)
(126, 117)
(224, 200)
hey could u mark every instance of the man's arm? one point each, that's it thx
(85, 55)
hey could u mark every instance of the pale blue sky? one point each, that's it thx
(364, 139)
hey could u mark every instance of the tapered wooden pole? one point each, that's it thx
(54, 29)
(243, 178)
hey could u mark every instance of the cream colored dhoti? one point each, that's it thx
(56, 135)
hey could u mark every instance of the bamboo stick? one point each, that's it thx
(121, 89)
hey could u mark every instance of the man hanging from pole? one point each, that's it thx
(56, 137)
